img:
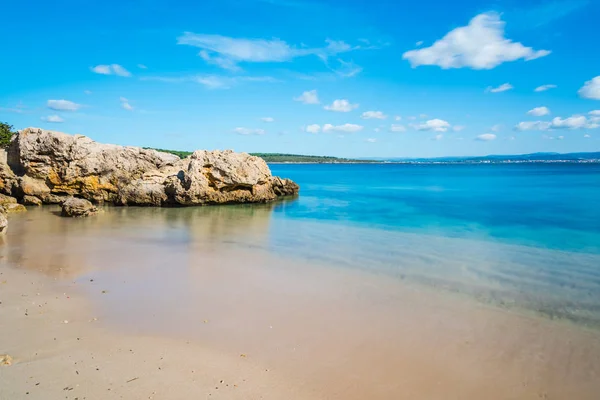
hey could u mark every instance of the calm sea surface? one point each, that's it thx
(521, 237)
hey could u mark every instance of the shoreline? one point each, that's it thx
(275, 326)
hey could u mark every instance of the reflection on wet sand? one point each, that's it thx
(230, 279)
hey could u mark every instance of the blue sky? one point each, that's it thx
(345, 78)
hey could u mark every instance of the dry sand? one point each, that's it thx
(220, 321)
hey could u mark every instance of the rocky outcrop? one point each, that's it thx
(74, 207)
(47, 167)
(3, 220)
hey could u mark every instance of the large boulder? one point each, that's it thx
(74, 207)
(51, 166)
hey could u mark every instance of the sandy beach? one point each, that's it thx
(238, 322)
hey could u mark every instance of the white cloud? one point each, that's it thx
(486, 137)
(314, 128)
(88, 92)
(547, 137)
(595, 113)
(532, 126)
(125, 104)
(346, 128)
(112, 69)
(248, 131)
(587, 136)
(419, 43)
(210, 81)
(142, 66)
(309, 97)
(267, 119)
(560, 137)
(573, 122)
(397, 128)
(502, 88)
(63, 105)
(543, 88)
(227, 52)
(496, 128)
(371, 140)
(422, 116)
(398, 118)
(53, 118)
(479, 45)
(436, 125)
(591, 89)
(458, 128)
(438, 137)
(341, 106)
(539, 111)
(373, 115)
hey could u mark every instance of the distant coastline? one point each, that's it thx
(543, 158)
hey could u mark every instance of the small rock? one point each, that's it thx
(74, 207)
(5, 359)
(31, 200)
(3, 220)
(14, 208)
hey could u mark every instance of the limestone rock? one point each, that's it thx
(14, 208)
(3, 220)
(74, 207)
(284, 187)
(31, 200)
(4, 199)
(52, 166)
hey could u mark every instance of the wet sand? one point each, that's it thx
(176, 314)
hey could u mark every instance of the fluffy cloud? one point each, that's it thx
(112, 69)
(341, 106)
(479, 45)
(502, 88)
(458, 128)
(587, 136)
(591, 89)
(63, 105)
(436, 125)
(398, 118)
(543, 88)
(573, 122)
(53, 118)
(370, 140)
(486, 137)
(227, 52)
(248, 131)
(314, 128)
(309, 97)
(346, 128)
(373, 115)
(267, 119)
(496, 128)
(125, 104)
(539, 111)
(595, 113)
(438, 137)
(397, 128)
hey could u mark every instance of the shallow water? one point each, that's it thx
(376, 282)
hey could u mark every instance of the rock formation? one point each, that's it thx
(74, 207)
(48, 167)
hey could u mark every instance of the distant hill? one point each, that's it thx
(280, 158)
(593, 157)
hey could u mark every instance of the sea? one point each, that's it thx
(521, 237)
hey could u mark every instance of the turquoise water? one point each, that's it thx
(518, 236)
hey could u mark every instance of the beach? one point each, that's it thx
(143, 303)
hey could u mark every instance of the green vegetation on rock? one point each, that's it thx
(6, 132)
